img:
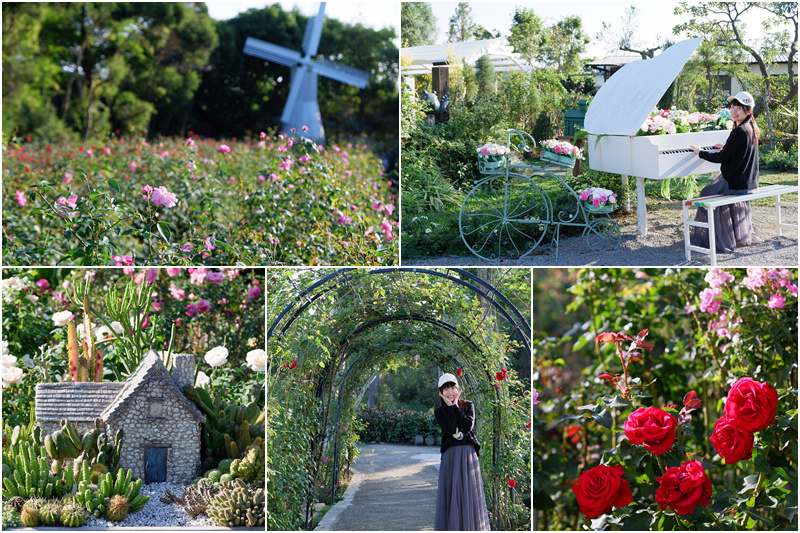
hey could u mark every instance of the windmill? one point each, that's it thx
(302, 108)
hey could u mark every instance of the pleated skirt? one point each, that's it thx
(460, 502)
(732, 225)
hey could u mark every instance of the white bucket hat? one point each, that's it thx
(444, 378)
(744, 97)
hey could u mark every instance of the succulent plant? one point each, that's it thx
(225, 466)
(10, 517)
(73, 515)
(16, 503)
(50, 513)
(29, 516)
(214, 475)
(238, 504)
(117, 508)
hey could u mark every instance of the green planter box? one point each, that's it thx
(601, 209)
(558, 159)
(491, 163)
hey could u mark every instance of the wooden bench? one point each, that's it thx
(712, 202)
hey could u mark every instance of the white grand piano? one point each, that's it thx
(620, 108)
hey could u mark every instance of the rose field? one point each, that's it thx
(667, 400)
(189, 341)
(130, 200)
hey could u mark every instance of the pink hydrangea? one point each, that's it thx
(161, 196)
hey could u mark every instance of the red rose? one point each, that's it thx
(751, 405)
(459, 372)
(529, 425)
(293, 365)
(500, 376)
(683, 488)
(512, 483)
(731, 442)
(652, 427)
(601, 488)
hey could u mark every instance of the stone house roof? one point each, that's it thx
(151, 368)
(85, 402)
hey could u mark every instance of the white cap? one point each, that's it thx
(744, 97)
(444, 378)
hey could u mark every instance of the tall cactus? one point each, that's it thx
(89, 366)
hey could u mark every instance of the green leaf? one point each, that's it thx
(603, 418)
(113, 184)
(619, 401)
(640, 521)
(163, 229)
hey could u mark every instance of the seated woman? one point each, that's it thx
(738, 160)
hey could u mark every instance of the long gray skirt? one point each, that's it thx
(732, 224)
(460, 503)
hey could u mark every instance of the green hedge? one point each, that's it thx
(396, 426)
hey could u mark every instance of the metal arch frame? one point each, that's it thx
(491, 294)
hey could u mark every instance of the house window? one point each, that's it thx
(155, 408)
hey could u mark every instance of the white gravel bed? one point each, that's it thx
(156, 513)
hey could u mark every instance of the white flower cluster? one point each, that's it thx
(561, 148)
(11, 373)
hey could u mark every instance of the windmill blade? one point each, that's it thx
(272, 52)
(342, 73)
(298, 85)
(313, 32)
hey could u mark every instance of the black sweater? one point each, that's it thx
(452, 420)
(738, 160)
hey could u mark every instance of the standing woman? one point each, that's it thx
(460, 502)
(738, 160)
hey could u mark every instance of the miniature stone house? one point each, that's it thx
(162, 428)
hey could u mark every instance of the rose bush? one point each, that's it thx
(723, 342)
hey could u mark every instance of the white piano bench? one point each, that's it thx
(712, 202)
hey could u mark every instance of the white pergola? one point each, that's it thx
(423, 59)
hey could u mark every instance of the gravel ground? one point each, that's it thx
(156, 513)
(662, 246)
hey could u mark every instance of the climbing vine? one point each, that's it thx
(329, 332)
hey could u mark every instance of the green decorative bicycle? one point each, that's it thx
(513, 207)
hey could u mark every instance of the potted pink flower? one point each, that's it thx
(598, 200)
(492, 157)
(560, 152)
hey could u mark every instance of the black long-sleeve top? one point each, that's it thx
(738, 159)
(452, 419)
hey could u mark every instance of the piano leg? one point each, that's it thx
(641, 206)
(627, 205)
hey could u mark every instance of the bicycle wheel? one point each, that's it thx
(504, 216)
(602, 234)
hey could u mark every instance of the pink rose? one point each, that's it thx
(253, 292)
(777, 301)
(710, 301)
(178, 294)
(224, 148)
(147, 191)
(191, 310)
(150, 275)
(172, 272)
(161, 196)
(203, 306)
(20, 198)
(557, 149)
(215, 277)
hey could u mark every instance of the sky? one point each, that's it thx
(376, 14)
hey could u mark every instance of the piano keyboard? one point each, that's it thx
(687, 150)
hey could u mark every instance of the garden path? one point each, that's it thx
(394, 489)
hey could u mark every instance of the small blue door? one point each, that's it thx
(155, 465)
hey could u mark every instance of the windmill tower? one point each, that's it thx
(302, 108)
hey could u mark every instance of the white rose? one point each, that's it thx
(117, 327)
(202, 380)
(217, 356)
(11, 375)
(62, 318)
(728, 124)
(102, 332)
(257, 360)
(13, 284)
(9, 361)
(32, 298)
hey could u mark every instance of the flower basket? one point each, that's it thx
(598, 209)
(558, 159)
(492, 157)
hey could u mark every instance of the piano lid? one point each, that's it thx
(624, 101)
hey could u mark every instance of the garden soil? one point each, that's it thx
(662, 246)
(394, 490)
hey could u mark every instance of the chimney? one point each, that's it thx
(183, 369)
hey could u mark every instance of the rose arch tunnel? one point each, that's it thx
(331, 329)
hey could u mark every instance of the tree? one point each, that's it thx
(701, 73)
(484, 71)
(527, 34)
(724, 24)
(462, 27)
(564, 43)
(417, 24)
(625, 38)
